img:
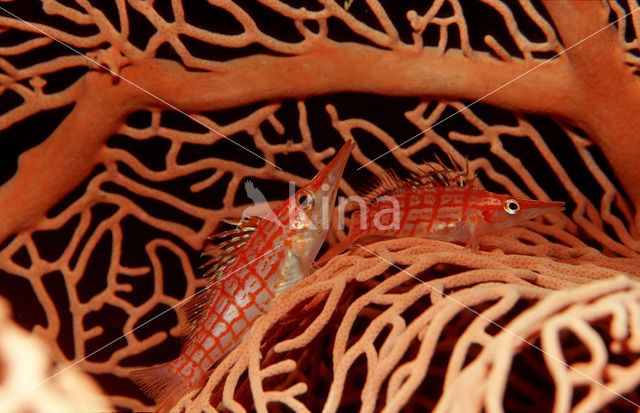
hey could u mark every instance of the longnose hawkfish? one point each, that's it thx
(439, 203)
(249, 267)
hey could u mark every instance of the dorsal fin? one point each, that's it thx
(384, 184)
(223, 253)
(225, 246)
(443, 176)
(428, 176)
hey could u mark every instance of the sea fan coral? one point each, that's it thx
(406, 323)
(117, 168)
(26, 369)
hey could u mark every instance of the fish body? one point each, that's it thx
(435, 204)
(251, 266)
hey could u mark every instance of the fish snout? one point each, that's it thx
(531, 209)
(554, 206)
(329, 178)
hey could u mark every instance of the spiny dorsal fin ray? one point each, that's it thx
(444, 175)
(226, 245)
(428, 176)
(223, 253)
(384, 184)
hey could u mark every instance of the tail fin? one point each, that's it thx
(162, 383)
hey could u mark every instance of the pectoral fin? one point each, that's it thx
(291, 271)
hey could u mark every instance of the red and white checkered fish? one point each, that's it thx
(438, 203)
(250, 266)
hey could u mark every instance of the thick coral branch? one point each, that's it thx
(162, 191)
(75, 147)
(607, 88)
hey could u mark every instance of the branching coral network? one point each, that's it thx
(26, 369)
(102, 220)
(397, 340)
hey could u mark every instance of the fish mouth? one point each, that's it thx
(554, 206)
(332, 173)
(546, 206)
(339, 162)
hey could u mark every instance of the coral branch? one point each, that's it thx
(26, 368)
(606, 87)
(401, 329)
(76, 146)
(291, 81)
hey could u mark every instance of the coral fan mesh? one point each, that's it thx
(26, 368)
(111, 185)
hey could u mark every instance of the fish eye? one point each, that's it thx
(511, 206)
(305, 200)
